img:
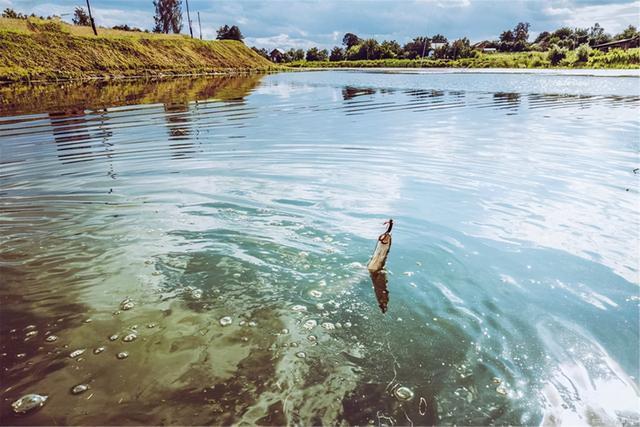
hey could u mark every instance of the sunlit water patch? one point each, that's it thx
(193, 251)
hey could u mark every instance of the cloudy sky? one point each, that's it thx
(306, 23)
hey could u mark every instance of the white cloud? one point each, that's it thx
(613, 17)
(282, 41)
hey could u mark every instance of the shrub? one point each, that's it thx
(582, 53)
(45, 25)
(556, 54)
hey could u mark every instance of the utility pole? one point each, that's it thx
(188, 18)
(424, 47)
(93, 23)
(199, 25)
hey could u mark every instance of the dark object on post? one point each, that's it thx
(383, 246)
(93, 23)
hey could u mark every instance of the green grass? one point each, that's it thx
(614, 59)
(46, 50)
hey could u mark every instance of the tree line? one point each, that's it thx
(438, 46)
(168, 19)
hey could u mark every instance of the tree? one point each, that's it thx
(417, 47)
(370, 49)
(125, 27)
(441, 52)
(507, 37)
(229, 33)
(80, 17)
(262, 52)
(597, 35)
(337, 54)
(294, 55)
(542, 37)
(582, 52)
(12, 14)
(350, 40)
(521, 32)
(580, 36)
(168, 16)
(314, 54)
(439, 38)
(556, 54)
(460, 48)
(629, 33)
(390, 49)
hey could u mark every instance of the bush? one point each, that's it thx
(582, 53)
(556, 54)
(45, 25)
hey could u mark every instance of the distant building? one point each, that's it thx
(276, 56)
(436, 46)
(619, 44)
(484, 46)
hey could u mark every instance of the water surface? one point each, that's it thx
(512, 294)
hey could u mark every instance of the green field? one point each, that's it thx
(614, 59)
(48, 49)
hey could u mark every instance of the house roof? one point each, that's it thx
(616, 42)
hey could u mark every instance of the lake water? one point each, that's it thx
(168, 209)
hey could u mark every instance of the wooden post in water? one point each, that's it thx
(199, 25)
(189, 19)
(93, 23)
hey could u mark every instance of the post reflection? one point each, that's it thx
(380, 281)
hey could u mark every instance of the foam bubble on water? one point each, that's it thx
(315, 293)
(80, 388)
(310, 324)
(328, 326)
(301, 354)
(28, 402)
(99, 350)
(226, 321)
(403, 393)
(122, 355)
(76, 353)
(129, 337)
(51, 338)
(127, 304)
(299, 308)
(113, 337)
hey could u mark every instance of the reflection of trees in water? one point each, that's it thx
(77, 96)
(507, 100)
(425, 94)
(178, 120)
(350, 92)
(74, 139)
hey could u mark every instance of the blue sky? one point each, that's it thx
(306, 23)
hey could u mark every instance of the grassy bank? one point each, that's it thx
(596, 59)
(45, 50)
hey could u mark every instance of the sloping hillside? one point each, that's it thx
(46, 50)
